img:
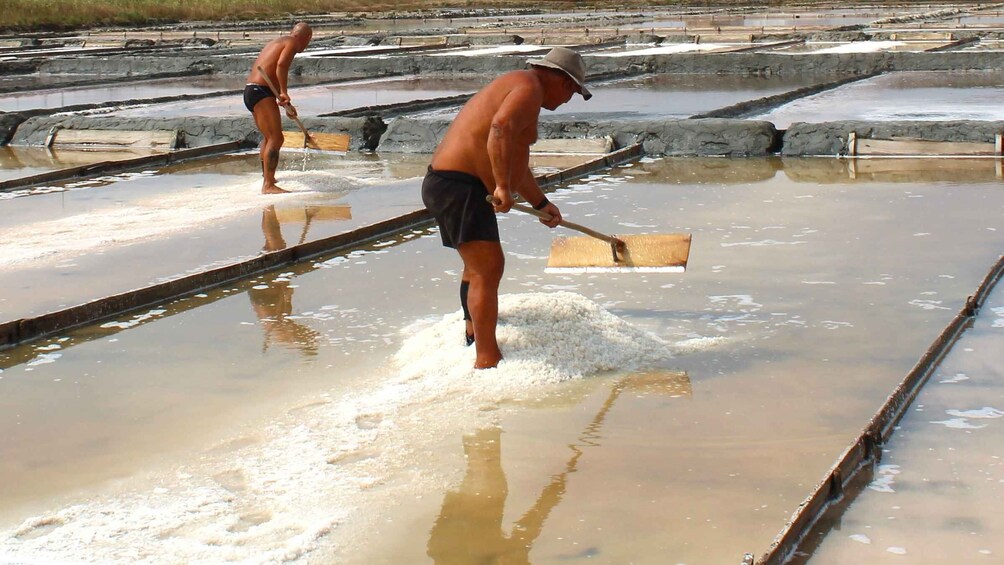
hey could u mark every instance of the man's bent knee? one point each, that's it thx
(483, 259)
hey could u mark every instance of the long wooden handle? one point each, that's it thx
(570, 225)
(275, 91)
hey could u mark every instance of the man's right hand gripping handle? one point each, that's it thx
(502, 200)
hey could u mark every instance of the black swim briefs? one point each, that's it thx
(457, 200)
(255, 93)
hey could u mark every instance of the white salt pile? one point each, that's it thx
(544, 337)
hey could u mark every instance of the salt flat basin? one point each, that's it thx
(20, 161)
(930, 498)
(804, 303)
(914, 95)
(73, 95)
(79, 241)
(14, 55)
(672, 96)
(319, 99)
(46, 80)
(663, 96)
(989, 18)
(117, 233)
(811, 17)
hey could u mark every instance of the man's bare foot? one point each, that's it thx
(488, 362)
(272, 189)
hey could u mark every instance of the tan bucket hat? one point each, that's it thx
(570, 63)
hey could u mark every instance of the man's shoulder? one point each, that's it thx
(522, 75)
(516, 79)
(280, 40)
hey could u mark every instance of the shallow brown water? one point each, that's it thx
(808, 296)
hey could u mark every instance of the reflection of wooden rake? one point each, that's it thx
(307, 214)
(320, 212)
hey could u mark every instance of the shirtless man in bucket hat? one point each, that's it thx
(486, 151)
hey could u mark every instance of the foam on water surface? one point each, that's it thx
(280, 492)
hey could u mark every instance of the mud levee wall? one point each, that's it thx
(669, 137)
(712, 136)
(702, 63)
(830, 138)
(195, 131)
(678, 137)
(9, 123)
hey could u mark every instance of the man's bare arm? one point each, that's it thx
(508, 147)
(282, 66)
(531, 192)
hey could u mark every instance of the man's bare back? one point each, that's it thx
(463, 147)
(269, 59)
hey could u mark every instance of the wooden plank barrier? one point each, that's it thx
(319, 140)
(865, 147)
(977, 169)
(153, 139)
(581, 146)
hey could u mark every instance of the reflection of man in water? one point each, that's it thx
(469, 527)
(273, 305)
(275, 59)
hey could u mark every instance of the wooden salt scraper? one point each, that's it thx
(602, 253)
(302, 139)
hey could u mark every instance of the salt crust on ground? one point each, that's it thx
(170, 212)
(324, 475)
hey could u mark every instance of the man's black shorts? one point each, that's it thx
(457, 200)
(255, 93)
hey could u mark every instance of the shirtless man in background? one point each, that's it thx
(486, 151)
(275, 59)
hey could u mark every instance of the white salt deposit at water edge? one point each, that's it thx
(667, 49)
(274, 495)
(862, 47)
(165, 214)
